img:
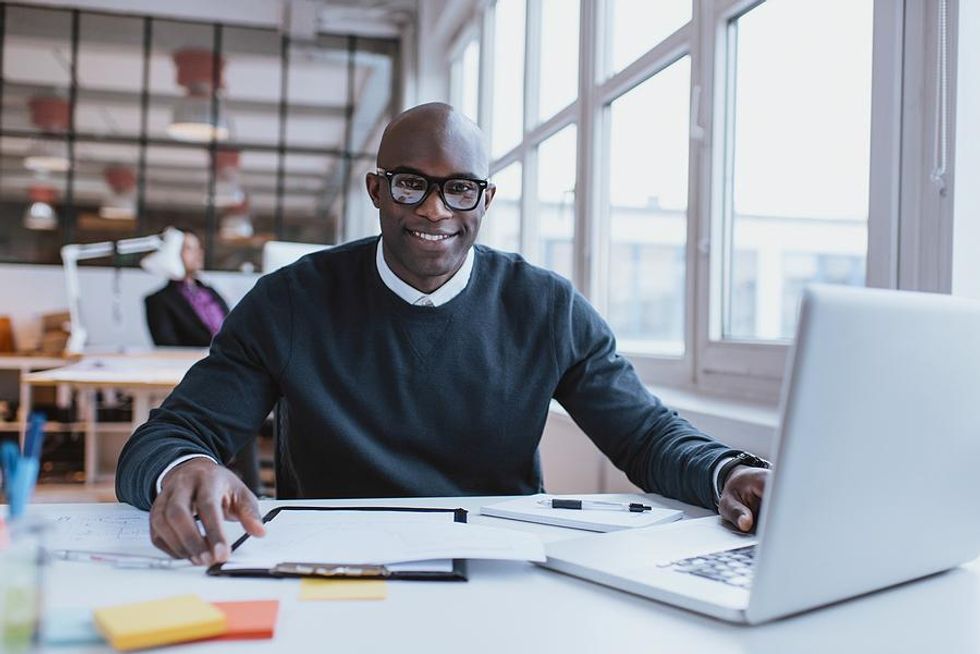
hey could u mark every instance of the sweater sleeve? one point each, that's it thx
(222, 400)
(658, 450)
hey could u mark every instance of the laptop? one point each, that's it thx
(875, 480)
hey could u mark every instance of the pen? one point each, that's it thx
(581, 505)
(117, 560)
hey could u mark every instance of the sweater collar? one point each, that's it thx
(453, 286)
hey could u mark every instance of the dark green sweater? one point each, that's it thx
(389, 399)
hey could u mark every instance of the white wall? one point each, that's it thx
(27, 292)
(966, 200)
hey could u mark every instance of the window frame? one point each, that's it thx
(905, 249)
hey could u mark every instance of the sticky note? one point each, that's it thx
(248, 620)
(343, 589)
(69, 626)
(159, 622)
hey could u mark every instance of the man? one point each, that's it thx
(417, 364)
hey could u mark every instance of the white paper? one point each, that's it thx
(100, 531)
(379, 538)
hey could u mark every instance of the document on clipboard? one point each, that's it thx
(373, 542)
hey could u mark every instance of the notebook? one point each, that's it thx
(528, 509)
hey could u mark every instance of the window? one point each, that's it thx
(234, 132)
(558, 73)
(714, 158)
(799, 157)
(508, 83)
(638, 25)
(464, 80)
(647, 213)
(555, 202)
(502, 224)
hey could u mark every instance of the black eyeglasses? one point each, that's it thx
(458, 193)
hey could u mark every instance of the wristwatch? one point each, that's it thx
(740, 459)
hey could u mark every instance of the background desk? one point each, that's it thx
(509, 607)
(147, 376)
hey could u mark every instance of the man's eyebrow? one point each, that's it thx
(409, 169)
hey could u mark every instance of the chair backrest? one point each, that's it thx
(287, 485)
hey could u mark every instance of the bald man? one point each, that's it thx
(414, 364)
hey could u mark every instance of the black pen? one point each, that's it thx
(582, 505)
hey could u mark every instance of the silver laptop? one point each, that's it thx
(879, 445)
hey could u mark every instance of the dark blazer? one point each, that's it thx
(172, 320)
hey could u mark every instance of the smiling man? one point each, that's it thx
(415, 364)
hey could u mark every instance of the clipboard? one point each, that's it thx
(326, 570)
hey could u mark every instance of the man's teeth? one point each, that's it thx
(431, 237)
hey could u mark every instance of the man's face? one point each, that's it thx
(426, 243)
(192, 254)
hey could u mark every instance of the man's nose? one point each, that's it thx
(433, 208)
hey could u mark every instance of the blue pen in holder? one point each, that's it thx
(22, 547)
(20, 470)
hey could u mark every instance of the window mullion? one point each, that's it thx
(586, 205)
(886, 132)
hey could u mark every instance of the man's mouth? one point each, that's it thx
(425, 236)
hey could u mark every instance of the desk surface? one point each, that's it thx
(519, 607)
(156, 369)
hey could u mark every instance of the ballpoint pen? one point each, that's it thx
(118, 560)
(583, 505)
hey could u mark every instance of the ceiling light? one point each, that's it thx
(236, 224)
(228, 190)
(40, 213)
(195, 118)
(49, 114)
(120, 203)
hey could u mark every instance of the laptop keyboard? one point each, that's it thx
(733, 567)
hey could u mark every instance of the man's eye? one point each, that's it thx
(460, 187)
(412, 183)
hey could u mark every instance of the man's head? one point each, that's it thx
(425, 243)
(191, 254)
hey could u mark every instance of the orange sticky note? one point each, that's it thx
(249, 620)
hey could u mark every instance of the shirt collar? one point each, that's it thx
(453, 286)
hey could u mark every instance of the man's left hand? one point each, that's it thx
(741, 498)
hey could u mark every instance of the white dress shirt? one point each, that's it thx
(453, 286)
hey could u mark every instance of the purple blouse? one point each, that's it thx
(204, 305)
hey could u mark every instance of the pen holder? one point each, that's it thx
(21, 583)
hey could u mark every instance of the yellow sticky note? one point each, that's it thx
(343, 589)
(159, 622)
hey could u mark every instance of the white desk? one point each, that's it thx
(147, 376)
(518, 607)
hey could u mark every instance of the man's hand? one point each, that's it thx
(741, 497)
(199, 486)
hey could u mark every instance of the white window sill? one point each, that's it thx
(740, 424)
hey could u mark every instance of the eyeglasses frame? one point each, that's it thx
(438, 182)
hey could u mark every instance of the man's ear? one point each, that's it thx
(488, 195)
(373, 183)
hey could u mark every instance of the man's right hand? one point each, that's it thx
(212, 492)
